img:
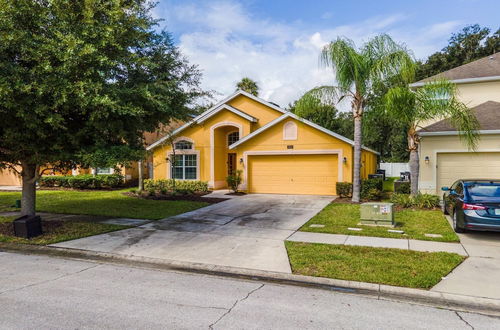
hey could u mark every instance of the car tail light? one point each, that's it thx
(466, 206)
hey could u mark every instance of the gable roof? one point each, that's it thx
(484, 69)
(215, 109)
(305, 121)
(487, 114)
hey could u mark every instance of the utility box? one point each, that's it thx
(378, 214)
(28, 226)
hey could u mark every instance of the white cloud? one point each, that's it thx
(228, 43)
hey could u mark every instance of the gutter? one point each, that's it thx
(460, 81)
(452, 133)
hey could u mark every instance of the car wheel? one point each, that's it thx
(455, 224)
(443, 206)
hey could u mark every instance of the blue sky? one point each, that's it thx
(277, 43)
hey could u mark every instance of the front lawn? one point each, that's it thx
(375, 265)
(389, 183)
(55, 231)
(338, 217)
(107, 203)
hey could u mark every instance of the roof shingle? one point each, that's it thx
(485, 67)
(487, 114)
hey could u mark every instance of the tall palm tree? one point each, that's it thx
(248, 85)
(357, 71)
(436, 99)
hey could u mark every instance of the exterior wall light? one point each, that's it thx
(426, 159)
(241, 160)
(345, 160)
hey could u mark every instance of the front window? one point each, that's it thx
(184, 167)
(104, 170)
(233, 137)
(183, 145)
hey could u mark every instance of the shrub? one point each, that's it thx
(344, 189)
(426, 201)
(369, 186)
(403, 200)
(402, 187)
(422, 201)
(85, 181)
(373, 194)
(234, 180)
(175, 186)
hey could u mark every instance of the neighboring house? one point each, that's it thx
(443, 157)
(277, 151)
(9, 177)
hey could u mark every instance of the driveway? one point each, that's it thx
(247, 232)
(479, 274)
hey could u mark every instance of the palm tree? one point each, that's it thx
(248, 85)
(357, 72)
(436, 99)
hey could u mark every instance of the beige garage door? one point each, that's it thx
(293, 174)
(454, 166)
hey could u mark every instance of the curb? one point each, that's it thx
(457, 302)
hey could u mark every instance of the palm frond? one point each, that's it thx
(322, 95)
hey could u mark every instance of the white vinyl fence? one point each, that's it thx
(394, 169)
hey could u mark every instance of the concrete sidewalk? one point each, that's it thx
(478, 275)
(395, 243)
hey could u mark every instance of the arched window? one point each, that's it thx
(290, 131)
(183, 145)
(233, 137)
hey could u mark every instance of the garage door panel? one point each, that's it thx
(455, 166)
(293, 174)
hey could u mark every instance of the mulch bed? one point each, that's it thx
(239, 193)
(7, 228)
(192, 198)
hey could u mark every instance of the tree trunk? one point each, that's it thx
(414, 169)
(356, 180)
(413, 142)
(141, 182)
(28, 200)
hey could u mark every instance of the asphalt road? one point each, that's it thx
(38, 292)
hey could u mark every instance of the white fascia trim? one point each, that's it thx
(217, 105)
(305, 121)
(229, 108)
(460, 81)
(444, 133)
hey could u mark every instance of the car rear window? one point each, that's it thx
(484, 191)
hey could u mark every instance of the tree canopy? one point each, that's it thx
(469, 44)
(80, 81)
(248, 85)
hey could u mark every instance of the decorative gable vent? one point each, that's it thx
(290, 131)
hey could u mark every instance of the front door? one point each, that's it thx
(231, 163)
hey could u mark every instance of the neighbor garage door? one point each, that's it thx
(454, 166)
(293, 174)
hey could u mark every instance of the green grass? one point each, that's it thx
(337, 217)
(64, 232)
(375, 265)
(389, 183)
(107, 203)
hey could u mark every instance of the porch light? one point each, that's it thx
(241, 160)
(427, 160)
(345, 160)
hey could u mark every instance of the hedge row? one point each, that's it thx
(85, 181)
(421, 201)
(164, 186)
(370, 189)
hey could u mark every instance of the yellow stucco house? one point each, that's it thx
(277, 151)
(443, 157)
